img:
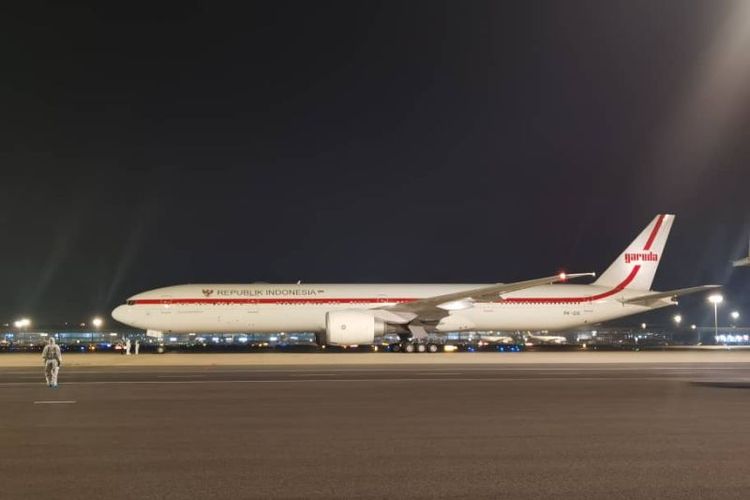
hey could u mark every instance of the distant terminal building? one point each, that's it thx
(602, 336)
(671, 336)
(67, 337)
(93, 340)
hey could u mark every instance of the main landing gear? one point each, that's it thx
(409, 346)
(416, 340)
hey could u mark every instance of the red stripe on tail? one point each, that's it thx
(654, 232)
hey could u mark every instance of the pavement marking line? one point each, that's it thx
(413, 369)
(53, 402)
(312, 374)
(589, 369)
(353, 380)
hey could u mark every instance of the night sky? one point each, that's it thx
(366, 142)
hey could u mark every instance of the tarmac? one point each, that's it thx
(455, 425)
(713, 355)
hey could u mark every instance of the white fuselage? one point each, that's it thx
(302, 307)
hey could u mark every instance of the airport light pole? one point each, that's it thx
(716, 299)
(22, 323)
(677, 318)
(97, 322)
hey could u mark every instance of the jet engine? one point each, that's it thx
(352, 327)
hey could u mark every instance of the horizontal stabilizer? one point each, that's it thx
(742, 262)
(655, 298)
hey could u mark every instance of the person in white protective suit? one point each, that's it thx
(52, 361)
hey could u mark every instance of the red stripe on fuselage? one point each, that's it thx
(270, 301)
(545, 300)
(553, 300)
(542, 300)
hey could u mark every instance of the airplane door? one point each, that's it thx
(250, 314)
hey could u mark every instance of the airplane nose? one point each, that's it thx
(119, 313)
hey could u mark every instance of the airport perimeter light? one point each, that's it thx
(735, 315)
(716, 299)
(22, 323)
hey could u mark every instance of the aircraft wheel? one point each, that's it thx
(409, 347)
(421, 348)
(432, 348)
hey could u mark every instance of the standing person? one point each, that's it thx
(127, 347)
(137, 346)
(52, 361)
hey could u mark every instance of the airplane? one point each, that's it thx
(347, 314)
(496, 338)
(742, 262)
(545, 339)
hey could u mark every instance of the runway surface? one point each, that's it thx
(377, 431)
(703, 355)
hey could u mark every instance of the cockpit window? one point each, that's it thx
(131, 302)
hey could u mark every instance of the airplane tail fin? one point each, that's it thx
(636, 266)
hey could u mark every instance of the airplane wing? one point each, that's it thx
(437, 307)
(655, 298)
